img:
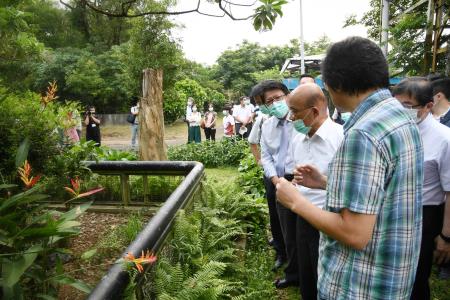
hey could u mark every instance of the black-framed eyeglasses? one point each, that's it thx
(408, 106)
(269, 101)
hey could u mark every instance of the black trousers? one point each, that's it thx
(288, 222)
(308, 255)
(210, 133)
(431, 227)
(274, 220)
(245, 135)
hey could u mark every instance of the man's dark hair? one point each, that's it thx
(418, 88)
(355, 65)
(435, 76)
(267, 85)
(442, 86)
(306, 75)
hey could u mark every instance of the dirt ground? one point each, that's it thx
(93, 227)
(119, 136)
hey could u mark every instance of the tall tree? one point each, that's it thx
(407, 33)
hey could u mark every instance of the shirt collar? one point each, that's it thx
(372, 100)
(324, 130)
(426, 122)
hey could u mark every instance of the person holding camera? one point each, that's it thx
(92, 126)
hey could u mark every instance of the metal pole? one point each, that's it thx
(302, 42)
(384, 26)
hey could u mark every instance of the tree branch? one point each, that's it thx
(66, 4)
(229, 14)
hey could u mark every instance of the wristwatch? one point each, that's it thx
(445, 238)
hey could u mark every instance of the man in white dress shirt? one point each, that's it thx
(276, 134)
(316, 145)
(416, 94)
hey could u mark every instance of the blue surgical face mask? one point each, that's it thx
(300, 126)
(264, 109)
(279, 109)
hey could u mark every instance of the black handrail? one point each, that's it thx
(155, 232)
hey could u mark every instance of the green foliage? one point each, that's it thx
(30, 237)
(266, 14)
(250, 176)
(204, 255)
(21, 116)
(18, 44)
(226, 152)
(407, 35)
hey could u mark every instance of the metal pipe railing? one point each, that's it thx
(154, 234)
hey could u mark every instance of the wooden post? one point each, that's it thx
(125, 188)
(146, 191)
(151, 118)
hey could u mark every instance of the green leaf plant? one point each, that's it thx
(31, 240)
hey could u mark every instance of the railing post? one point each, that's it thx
(146, 192)
(125, 189)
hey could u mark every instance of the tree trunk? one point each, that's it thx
(447, 59)
(151, 118)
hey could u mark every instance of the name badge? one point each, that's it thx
(93, 125)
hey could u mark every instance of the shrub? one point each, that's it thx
(251, 176)
(226, 152)
(23, 116)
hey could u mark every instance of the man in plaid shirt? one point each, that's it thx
(371, 222)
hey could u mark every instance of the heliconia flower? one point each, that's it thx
(75, 190)
(148, 258)
(50, 94)
(25, 173)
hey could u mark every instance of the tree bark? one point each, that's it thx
(151, 118)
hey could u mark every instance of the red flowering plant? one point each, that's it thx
(75, 190)
(147, 258)
(25, 175)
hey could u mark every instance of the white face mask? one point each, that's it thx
(247, 102)
(225, 113)
(414, 114)
(194, 109)
(211, 109)
(189, 103)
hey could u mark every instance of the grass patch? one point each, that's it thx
(222, 176)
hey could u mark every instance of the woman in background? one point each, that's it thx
(194, 120)
(210, 123)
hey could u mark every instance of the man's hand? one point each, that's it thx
(442, 251)
(286, 193)
(310, 177)
(274, 179)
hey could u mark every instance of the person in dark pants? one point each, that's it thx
(319, 139)
(210, 123)
(276, 134)
(92, 123)
(416, 94)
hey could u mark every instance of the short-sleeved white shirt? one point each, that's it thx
(436, 168)
(255, 135)
(227, 121)
(317, 150)
(241, 112)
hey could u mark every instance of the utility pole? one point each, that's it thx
(384, 26)
(302, 42)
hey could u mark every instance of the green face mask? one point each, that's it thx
(300, 126)
(264, 109)
(279, 109)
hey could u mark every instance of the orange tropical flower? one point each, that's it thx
(75, 190)
(25, 173)
(148, 258)
(50, 94)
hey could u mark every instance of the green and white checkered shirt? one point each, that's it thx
(378, 169)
